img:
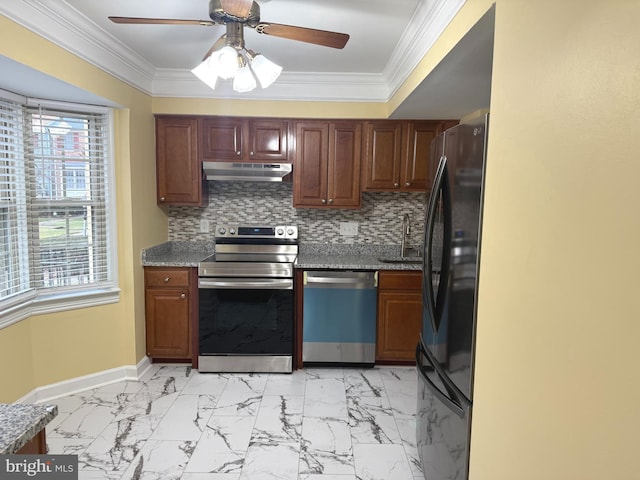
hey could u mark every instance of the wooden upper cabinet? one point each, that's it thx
(326, 172)
(245, 139)
(178, 168)
(383, 150)
(397, 154)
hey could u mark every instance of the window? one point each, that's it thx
(55, 207)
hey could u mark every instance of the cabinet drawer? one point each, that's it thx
(178, 277)
(400, 280)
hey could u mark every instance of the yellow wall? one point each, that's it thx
(49, 348)
(557, 387)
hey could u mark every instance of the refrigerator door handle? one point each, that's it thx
(447, 400)
(434, 308)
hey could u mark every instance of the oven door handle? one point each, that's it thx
(253, 283)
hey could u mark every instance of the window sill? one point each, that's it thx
(57, 302)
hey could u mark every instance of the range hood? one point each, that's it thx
(247, 172)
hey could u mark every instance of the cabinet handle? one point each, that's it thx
(323, 201)
(166, 279)
(331, 201)
(183, 295)
(408, 184)
(396, 184)
(238, 153)
(251, 153)
(162, 199)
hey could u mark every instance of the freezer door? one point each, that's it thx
(442, 426)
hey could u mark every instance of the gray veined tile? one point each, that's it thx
(381, 462)
(210, 476)
(407, 429)
(67, 446)
(147, 403)
(279, 420)
(390, 375)
(288, 384)
(239, 398)
(403, 397)
(125, 386)
(313, 476)
(326, 447)
(216, 464)
(328, 372)
(185, 419)
(224, 435)
(372, 421)
(245, 383)
(267, 462)
(117, 446)
(206, 383)
(364, 383)
(88, 421)
(325, 398)
(160, 460)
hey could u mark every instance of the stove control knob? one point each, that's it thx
(290, 231)
(280, 231)
(232, 231)
(222, 231)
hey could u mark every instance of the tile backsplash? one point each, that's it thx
(265, 203)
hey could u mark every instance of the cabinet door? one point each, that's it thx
(416, 174)
(310, 171)
(399, 325)
(222, 139)
(345, 144)
(178, 169)
(383, 153)
(168, 323)
(268, 140)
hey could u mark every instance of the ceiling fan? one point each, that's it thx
(228, 57)
(236, 14)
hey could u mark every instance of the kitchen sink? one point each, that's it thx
(400, 259)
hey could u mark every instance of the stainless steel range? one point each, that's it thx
(246, 300)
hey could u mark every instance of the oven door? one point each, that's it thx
(245, 324)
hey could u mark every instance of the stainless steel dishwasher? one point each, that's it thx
(339, 317)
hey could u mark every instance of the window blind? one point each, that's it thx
(14, 268)
(67, 197)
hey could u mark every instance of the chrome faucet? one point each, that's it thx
(406, 230)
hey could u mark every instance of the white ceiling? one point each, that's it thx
(387, 39)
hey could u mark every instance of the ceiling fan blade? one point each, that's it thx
(160, 21)
(237, 8)
(303, 34)
(216, 46)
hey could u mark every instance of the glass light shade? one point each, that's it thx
(207, 71)
(227, 62)
(266, 71)
(244, 80)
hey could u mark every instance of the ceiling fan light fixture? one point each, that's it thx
(207, 73)
(227, 62)
(244, 81)
(266, 71)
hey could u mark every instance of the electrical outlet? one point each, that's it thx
(349, 229)
(204, 225)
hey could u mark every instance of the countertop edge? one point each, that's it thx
(25, 422)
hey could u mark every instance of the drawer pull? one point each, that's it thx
(166, 279)
(184, 295)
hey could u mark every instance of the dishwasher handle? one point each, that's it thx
(341, 279)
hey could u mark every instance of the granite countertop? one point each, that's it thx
(19, 423)
(311, 256)
(354, 257)
(177, 254)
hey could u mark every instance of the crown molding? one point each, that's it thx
(427, 24)
(62, 24)
(328, 87)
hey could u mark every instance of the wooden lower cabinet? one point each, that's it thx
(170, 296)
(399, 316)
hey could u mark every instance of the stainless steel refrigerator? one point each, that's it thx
(445, 351)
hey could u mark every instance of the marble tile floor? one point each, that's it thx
(177, 423)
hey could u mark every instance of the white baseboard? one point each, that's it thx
(86, 382)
